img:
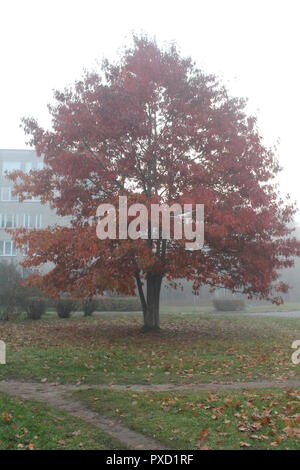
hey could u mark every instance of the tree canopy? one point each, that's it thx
(157, 129)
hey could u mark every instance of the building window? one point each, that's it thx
(7, 248)
(28, 221)
(9, 220)
(33, 199)
(32, 220)
(10, 166)
(39, 221)
(16, 220)
(7, 195)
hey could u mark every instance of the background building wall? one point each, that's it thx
(14, 214)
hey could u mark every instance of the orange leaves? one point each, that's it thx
(7, 417)
(200, 442)
(227, 402)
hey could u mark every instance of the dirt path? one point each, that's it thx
(57, 397)
(60, 397)
(284, 384)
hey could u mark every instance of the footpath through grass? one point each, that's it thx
(268, 419)
(113, 349)
(193, 348)
(32, 425)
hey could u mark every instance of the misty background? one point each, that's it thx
(253, 46)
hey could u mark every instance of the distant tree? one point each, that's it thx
(157, 129)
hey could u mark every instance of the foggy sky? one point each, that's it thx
(252, 45)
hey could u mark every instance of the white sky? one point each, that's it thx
(252, 45)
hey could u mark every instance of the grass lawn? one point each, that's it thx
(112, 348)
(268, 419)
(32, 425)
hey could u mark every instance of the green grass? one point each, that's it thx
(266, 419)
(195, 348)
(192, 347)
(32, 425)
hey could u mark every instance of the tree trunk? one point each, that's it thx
(151, 315)
(150, 304)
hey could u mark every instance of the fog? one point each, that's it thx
(253, 46)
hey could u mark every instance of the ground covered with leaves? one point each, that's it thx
(268, 419)
(113, 349)
(31, 425)
(191, 348)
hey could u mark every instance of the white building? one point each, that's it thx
(13, 214)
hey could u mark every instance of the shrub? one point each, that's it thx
(7, 313)
(89, 306)
(35, 307)
(29, 292)
(64, 307)
(14, 297)
(10, 290)
(229, 305)
(119, 304)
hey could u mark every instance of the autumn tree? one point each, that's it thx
(156, 129)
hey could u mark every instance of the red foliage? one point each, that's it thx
(154, 127)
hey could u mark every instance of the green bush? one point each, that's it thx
(64, 307)
(35, 307)
(89, 306)
(119, 304)
(229, 305)
(14, 297)
(8, 313)
(10, 291)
